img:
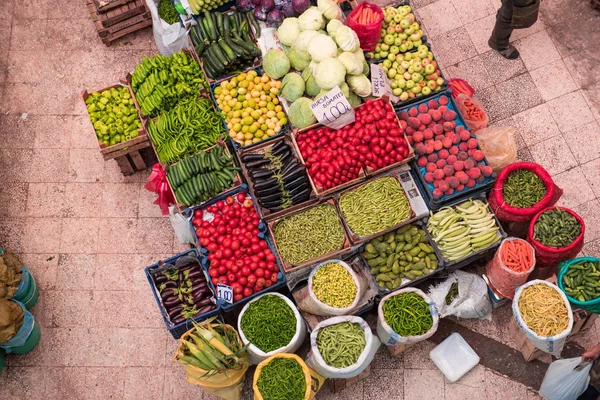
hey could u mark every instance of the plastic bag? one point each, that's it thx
(593, 305)
(255, 354)
(314, 381)
(504, 279)
(468, 106)
(316, 362)
(227, 385)
(508, 213)
(367, 34)
(565, 379)
(472, 300)
(550, 256)
(169, 38)
(391, 338)
(315, 306)
(498, 146)
(182, 227)
(553, 344)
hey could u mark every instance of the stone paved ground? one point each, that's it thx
(86, 231)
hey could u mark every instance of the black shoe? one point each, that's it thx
(510, 52)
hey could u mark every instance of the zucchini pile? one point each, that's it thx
(200, 177)
(223, 43)
(279, 180)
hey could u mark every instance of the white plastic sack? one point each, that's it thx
(256, 355)
(554, 344)
(315, 361)
(315, 306)
(472, 300)
(169, 38)
(391, 338)
(565, 379)
(182, 227)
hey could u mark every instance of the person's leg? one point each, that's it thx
(590, 394)
(502, 31)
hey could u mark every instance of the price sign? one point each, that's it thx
(225, 292)
(380, 83)
(333, 109)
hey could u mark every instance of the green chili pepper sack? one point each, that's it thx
(282, 379)
(269, 323)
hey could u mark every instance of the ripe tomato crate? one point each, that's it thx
(427, 188)
(177, 330)
(262, 148)
(263, 234)
(237, 179)
(344, 248)
(355, 239)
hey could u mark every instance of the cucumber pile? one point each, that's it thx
(223, 43)
(200, 177)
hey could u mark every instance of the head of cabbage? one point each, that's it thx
(346, 38)
(354, 100)
(330, 9)
(292, 86)
(297, 62)
(311, 19)
(330, 73)
(352, 63)
(321, 47)
(359, 84)
(311, 88)
(276, 64)
(301, 44)
(288, 31)
(300, 113)
(333, 25)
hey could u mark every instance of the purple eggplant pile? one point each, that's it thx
(184, 292)
(279, 179)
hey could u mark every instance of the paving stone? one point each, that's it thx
(94, 383)
(120, 200)
(576, 188)
(591, 170)
(16, 132)
(83, 199)
(552, 155)
(584, 142)
(472, 10)
(354, 391)
(537, 50)
(76, 271)
(417, 383)
(570, 111)
(118, 235)
(499, 68)
(147, 347)
(379, 385)
(473, 71)
(26, 382)
(49, 165)
(471, 385)
(553, 80)
(112, 173)
(519, 93)
(13, 197)
(16, 165)
(11, 234)
(86, 165)
(496, 108)
(176, 386)
(439, 17)
(44, 268)
(6, 10)
(41, 235)
(536, 124)
(67, 309)
(498, 387)
(144, 382)
(417, 356)
(46, 200)
(384, 360)
(80, 235)
(480, 31)
(124, 272)
(589, 212)
(453, 47)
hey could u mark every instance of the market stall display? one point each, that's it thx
(223, 43)
(400, 33)
(556, 234)
(250, 106)
(277, 177)
(162, 82)
(513, 262)
(270, 324)
(198, 178)
(400, 257)
(464, 229)
(579, 278)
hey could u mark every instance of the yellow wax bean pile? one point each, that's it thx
(334, 286)
(543, 310)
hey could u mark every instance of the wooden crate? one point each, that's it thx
(117, 14)
(120, 149)
(124, 27)
(105, 5)
(137, 160)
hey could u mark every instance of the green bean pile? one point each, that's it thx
(452, 293)
(341, 344)
(269, 323)
(185, 130)
(523, 189)
(407, 314)
(375, 206)
(282, 379)
(556, 228)
(308, 234)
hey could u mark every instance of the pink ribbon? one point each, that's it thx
(158, 183)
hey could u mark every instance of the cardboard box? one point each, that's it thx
(583, 321)
(524, 345)
(397, 349)
(497, 299)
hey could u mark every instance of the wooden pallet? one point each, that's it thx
(105, 5)
(137, 160)
(118, 14)
(124, 27)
